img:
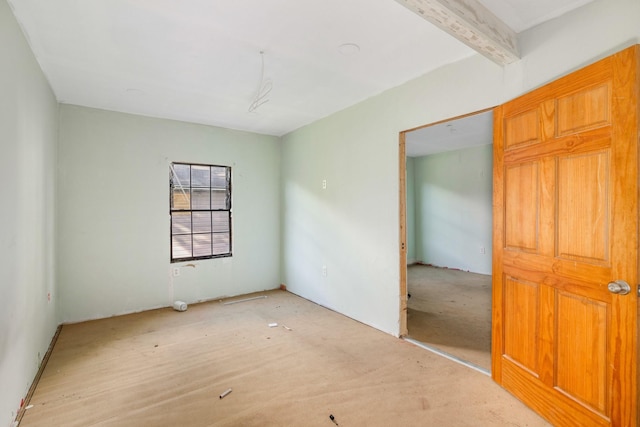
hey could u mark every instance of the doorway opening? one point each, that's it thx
(446, 237)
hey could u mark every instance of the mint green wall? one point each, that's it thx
(352, 227)
(114, 213)
(28, 135)
(453, 199)
(411, 211)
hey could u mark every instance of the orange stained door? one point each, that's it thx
(565, 235)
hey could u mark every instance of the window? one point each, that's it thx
(200, 211)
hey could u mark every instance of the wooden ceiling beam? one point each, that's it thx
(471, 23)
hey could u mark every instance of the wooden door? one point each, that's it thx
(565, 226)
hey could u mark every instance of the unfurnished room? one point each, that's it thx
(351, 213)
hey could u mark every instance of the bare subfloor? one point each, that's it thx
(166, 368)
(451, 311)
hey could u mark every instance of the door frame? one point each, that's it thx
(402, 163)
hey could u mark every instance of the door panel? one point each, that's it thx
(522, 207)
(521, 129)
(521, 327)
(582, 370)
(586, 109)
(583, 210)
(565, 225)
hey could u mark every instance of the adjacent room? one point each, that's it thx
(449, 232)
(250, 160)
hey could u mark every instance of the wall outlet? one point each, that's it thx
(324, 184)
(324, 271)
(482, 250)
(176, 271)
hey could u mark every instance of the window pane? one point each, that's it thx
(219, 199)
(180, 199)
(202, 222)
(200, 176)
(200, 211)
(181, 223)
(221, 243)
(201, 244)
(218, 177)
(182, 176)
(220, 222)
(181, 246)
(200, 198)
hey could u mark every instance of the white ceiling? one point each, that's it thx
(452, 135)
(520, 15)
(199, 60)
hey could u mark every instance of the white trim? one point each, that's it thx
(448, 356)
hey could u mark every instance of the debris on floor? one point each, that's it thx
(180, 306)
(273, 325)
(224, 393)
(243, 300)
